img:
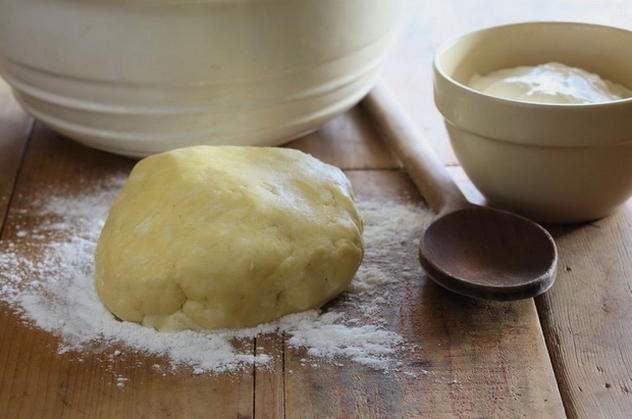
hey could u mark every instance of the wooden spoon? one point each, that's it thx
(469, 249)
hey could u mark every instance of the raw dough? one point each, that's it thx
(225, 237)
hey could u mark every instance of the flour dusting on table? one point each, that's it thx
(46, 275)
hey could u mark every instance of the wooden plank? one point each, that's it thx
(472, 359)
(587, 315)
(35, 381)
(348, 142)
(269, 381)
(15, 126)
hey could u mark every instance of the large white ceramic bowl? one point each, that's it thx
(137, 77)
(555, 163)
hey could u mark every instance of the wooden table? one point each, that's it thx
(567, 353)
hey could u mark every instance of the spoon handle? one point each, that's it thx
(424, 167)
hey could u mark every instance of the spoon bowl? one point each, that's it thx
(486, 253)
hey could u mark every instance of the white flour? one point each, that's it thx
(46, 274)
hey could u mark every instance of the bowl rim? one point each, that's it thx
(517, 102)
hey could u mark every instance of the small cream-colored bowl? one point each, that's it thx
(555, 163)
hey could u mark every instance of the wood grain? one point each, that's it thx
(35, 381)
(15, 126)
(587, 315)
(269, 379)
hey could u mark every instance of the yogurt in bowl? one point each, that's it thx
(549, 83)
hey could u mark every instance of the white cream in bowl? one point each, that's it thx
(549, 83)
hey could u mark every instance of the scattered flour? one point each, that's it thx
(46, 275)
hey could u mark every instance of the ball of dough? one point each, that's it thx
(226, 237)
